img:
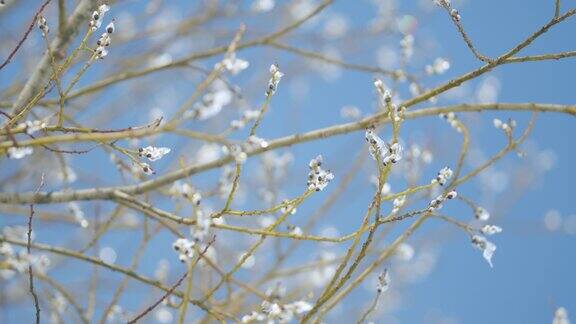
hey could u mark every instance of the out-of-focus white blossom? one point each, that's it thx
(17, 153)
(350, 112)
(233, 64)
(561, 316)
(78, 214)
(439, 66)
(263, 5)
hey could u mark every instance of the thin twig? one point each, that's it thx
(23, 39)
(28, 249)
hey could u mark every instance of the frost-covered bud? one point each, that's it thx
(443, 176)
(435, 203)
(287, 208)
(383, 281)
(147, 169)
(455, 15)
(488, 248)
(101, 52)
(451, 195)
(43, 25)
(452, 120)
(110, 28)
(393, 155)
(97, 17)
(443, 3)
(506, 127)
(104, 40)
(318, 178)
(153, 153)
(384, 93)
(275, 76)
(481, 214)
(184, 248)
(491, 229)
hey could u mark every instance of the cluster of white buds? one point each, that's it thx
(448, 6)
(17, 153)
(236, 152)
(487, 247)
(153, 153)
(318, 178)
(255, 142)
(385, 95)
(78, 214)
(97, 17)
(104, 41)
(452, 120)
(247, 116)
(398, 203)
(31, 127)
(232, 64)
(383, 281)
(561, 316)
(275, 76)
(491, 229)
(443, 176)
(506, 127)
(185, 249)
(436, 203)
(187, 191)
(272, 311)
(388, 153)
(18, 261)
(439, 66)
(407, 45)
(43, 25)
(481, 214)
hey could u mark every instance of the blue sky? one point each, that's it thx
(533, 268)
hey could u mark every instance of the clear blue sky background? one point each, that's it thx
(533, 268)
